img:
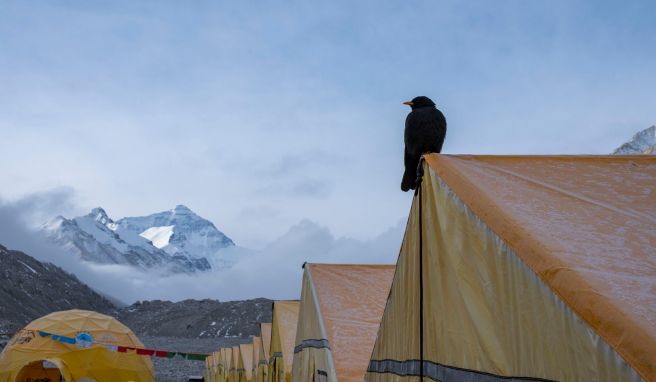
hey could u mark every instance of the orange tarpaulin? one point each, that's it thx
(533, 267)
(341, 308)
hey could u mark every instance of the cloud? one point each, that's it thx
(273, 272)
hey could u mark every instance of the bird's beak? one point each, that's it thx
(409, 103)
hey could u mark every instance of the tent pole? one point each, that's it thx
(418, 193)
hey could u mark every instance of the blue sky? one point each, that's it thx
(260, 114)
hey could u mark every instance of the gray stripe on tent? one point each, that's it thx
(440, 373)
(319, 344)
(262, 362)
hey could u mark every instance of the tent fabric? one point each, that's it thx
(539, 268)
(257, 344)
(234, 375)
(246, 362)
(283, 333)
(225, 365)
(265, 331)
(27, 348)
(218, 368)
(265, 343)
(208, 375)
(340, 312)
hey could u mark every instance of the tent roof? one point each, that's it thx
(352, 300)
(584, 224)
(265, 331)
(286, 313)
(226, 358)
(246, 354)
(257, 343)
(234, 362)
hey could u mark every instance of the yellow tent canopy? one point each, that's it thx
(30, 355)
(234, 365)
(209, 374)
(265, 344)
(245, 362)
(540, 268)
(283, 333)
(257, 344)
(216, 367)
(225, 365)
(340, 312)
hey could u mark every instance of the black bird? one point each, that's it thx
(425, 129)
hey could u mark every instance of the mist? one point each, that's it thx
(273, 272)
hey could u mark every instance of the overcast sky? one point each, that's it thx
(258, 114)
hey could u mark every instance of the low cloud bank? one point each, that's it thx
(273, 272)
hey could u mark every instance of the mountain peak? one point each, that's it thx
(182, 208)
(643, 142)
(178, 238)
(99, 215)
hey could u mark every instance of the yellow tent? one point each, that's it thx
(257, 344)
(216, 368)
(209, 375)
(225, 364)
(234, 365)
(265, 343)
(283, 333)
(340, 312)
(33, 352)
(245, 362)
(539, 268)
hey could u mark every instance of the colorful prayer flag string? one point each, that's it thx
(123, 349)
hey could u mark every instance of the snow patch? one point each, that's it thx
(159, 236)
(28, 267)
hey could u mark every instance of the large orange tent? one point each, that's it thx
(533, 268)
(340, 311)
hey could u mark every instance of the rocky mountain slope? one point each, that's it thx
(173, 241)
(197, 318)
(31, 289)
(644, 142)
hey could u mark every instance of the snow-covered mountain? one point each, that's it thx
(177, 240)
(644, 142)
